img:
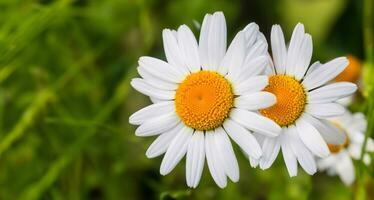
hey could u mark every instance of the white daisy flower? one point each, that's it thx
(203, 95)
(304, 101)
(340, 161)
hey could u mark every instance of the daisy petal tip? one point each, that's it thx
(163, 171)
(149, 154)
(132, 120)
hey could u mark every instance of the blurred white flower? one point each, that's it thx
(305, 99)
(340, 161)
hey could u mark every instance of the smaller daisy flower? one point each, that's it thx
(340, 161)
(203, 96)
(305, 99)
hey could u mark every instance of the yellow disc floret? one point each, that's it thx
(291, 100)
(336, 148)
(203, 100)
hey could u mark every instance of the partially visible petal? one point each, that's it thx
(294, 48)
(244, 138)
(160, 69)
(255, 122)
(330, 133)
(215, 165)
(195, 159)
(303, 155)
(270, 149)
(255, 101)
(176, 150)
(278, 48)
(233, 60)
(331, 92)
(325, 73)
(141, 86)
(325, 110)
(253, 84)
(172, 51)
(161, 144)
(227, 154)
(312, 138)
(152, 111)
(157, 125)
(189, 47)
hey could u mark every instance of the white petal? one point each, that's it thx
(213, 159)
(278, 48)
(367, 159)
(355, 151)
(303, 155)
(330, 133)
(359, 122)
(255, 122)
(255, 101)
(160, 69)
(173, 54)
(176, 150)
(325, 73)
(325, 110)
(294, 49)
(312, 138)
(260, 48)
(152, 111)
(161, 144)
(216, 41)
(289, 156)
(232, 62)
(188, 45)
(313, 67)
(346, 169)
(304, 57)
(253, 84)
(155, 81)
(270, 149)
(253, 162)
(331, 92)
(157, 125)
(143, 87)
(203, 41)
(155, 100)
(244, 138)
(195, 159)
(327, 163)
(227, 154)
(250, 32)
(252, 68)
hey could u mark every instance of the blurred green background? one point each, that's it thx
(65, 97)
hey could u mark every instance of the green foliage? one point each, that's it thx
(65, 98)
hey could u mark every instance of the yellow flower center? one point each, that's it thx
(336, 148)
(203, 100)
(291, 100)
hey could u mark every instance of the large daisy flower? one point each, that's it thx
(203, 96)
(340, 161)
(304, 100)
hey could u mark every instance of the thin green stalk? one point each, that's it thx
(369, 92)
(369, 64)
